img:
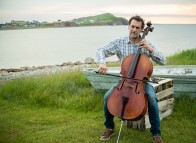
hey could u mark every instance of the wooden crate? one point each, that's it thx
(164, 92)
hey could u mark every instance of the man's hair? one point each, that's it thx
(138, 19)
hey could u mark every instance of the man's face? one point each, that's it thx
(135, 28)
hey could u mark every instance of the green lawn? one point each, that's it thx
(65, 108)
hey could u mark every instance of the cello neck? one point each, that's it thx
(136, 57)
(134, 63)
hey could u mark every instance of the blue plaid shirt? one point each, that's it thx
(123, 47)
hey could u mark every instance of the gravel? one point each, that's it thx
(34, 72)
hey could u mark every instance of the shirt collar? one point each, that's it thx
(128, 41)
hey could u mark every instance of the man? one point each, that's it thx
(123, 47)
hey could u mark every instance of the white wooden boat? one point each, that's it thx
(184, 78)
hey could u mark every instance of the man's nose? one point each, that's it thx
(134, 29)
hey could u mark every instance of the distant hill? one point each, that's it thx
(102, 19)
(97, 20)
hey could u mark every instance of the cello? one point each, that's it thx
(128, 99)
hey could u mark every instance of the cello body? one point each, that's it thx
(135, 104)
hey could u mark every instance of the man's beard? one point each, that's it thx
(134, 35)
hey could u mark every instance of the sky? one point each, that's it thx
(157, 11)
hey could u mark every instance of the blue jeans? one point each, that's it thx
(153, 110)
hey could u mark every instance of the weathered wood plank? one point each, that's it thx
(166, 113)
(162, 94)
(166, 104)
(161, 81)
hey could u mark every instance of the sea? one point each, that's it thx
(55, 46)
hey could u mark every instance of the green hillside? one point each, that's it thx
(102, 19)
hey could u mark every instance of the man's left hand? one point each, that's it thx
(144, 44)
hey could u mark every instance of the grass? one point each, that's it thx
(186, 57)
(22, 123)
(65, 108)
(58, 91)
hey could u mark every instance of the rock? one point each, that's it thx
(89, 60)
(67, 64)
(64, 64)
(43, 67)
(70, 64)
(78, 63)
(3, 72)
(14, 70)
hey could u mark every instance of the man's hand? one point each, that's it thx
(144, 44)
(102, 69)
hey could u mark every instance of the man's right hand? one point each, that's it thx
(102, 69)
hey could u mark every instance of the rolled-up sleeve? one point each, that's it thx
(157, 56)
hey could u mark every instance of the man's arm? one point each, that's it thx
(104, 52)
(107, 51)
(154, 53)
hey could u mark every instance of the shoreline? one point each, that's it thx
(22, 72)
(39, 71)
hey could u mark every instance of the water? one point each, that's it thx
(54, 46)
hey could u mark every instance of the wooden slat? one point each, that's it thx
(163, 80)
(165, 93)
(163, 84)
(166, 113)
(165, 104)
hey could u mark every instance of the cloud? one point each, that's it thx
(154, 9)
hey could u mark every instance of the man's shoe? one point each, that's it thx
(157, 139)
(107, 134)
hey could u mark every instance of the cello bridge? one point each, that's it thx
(128, 85)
